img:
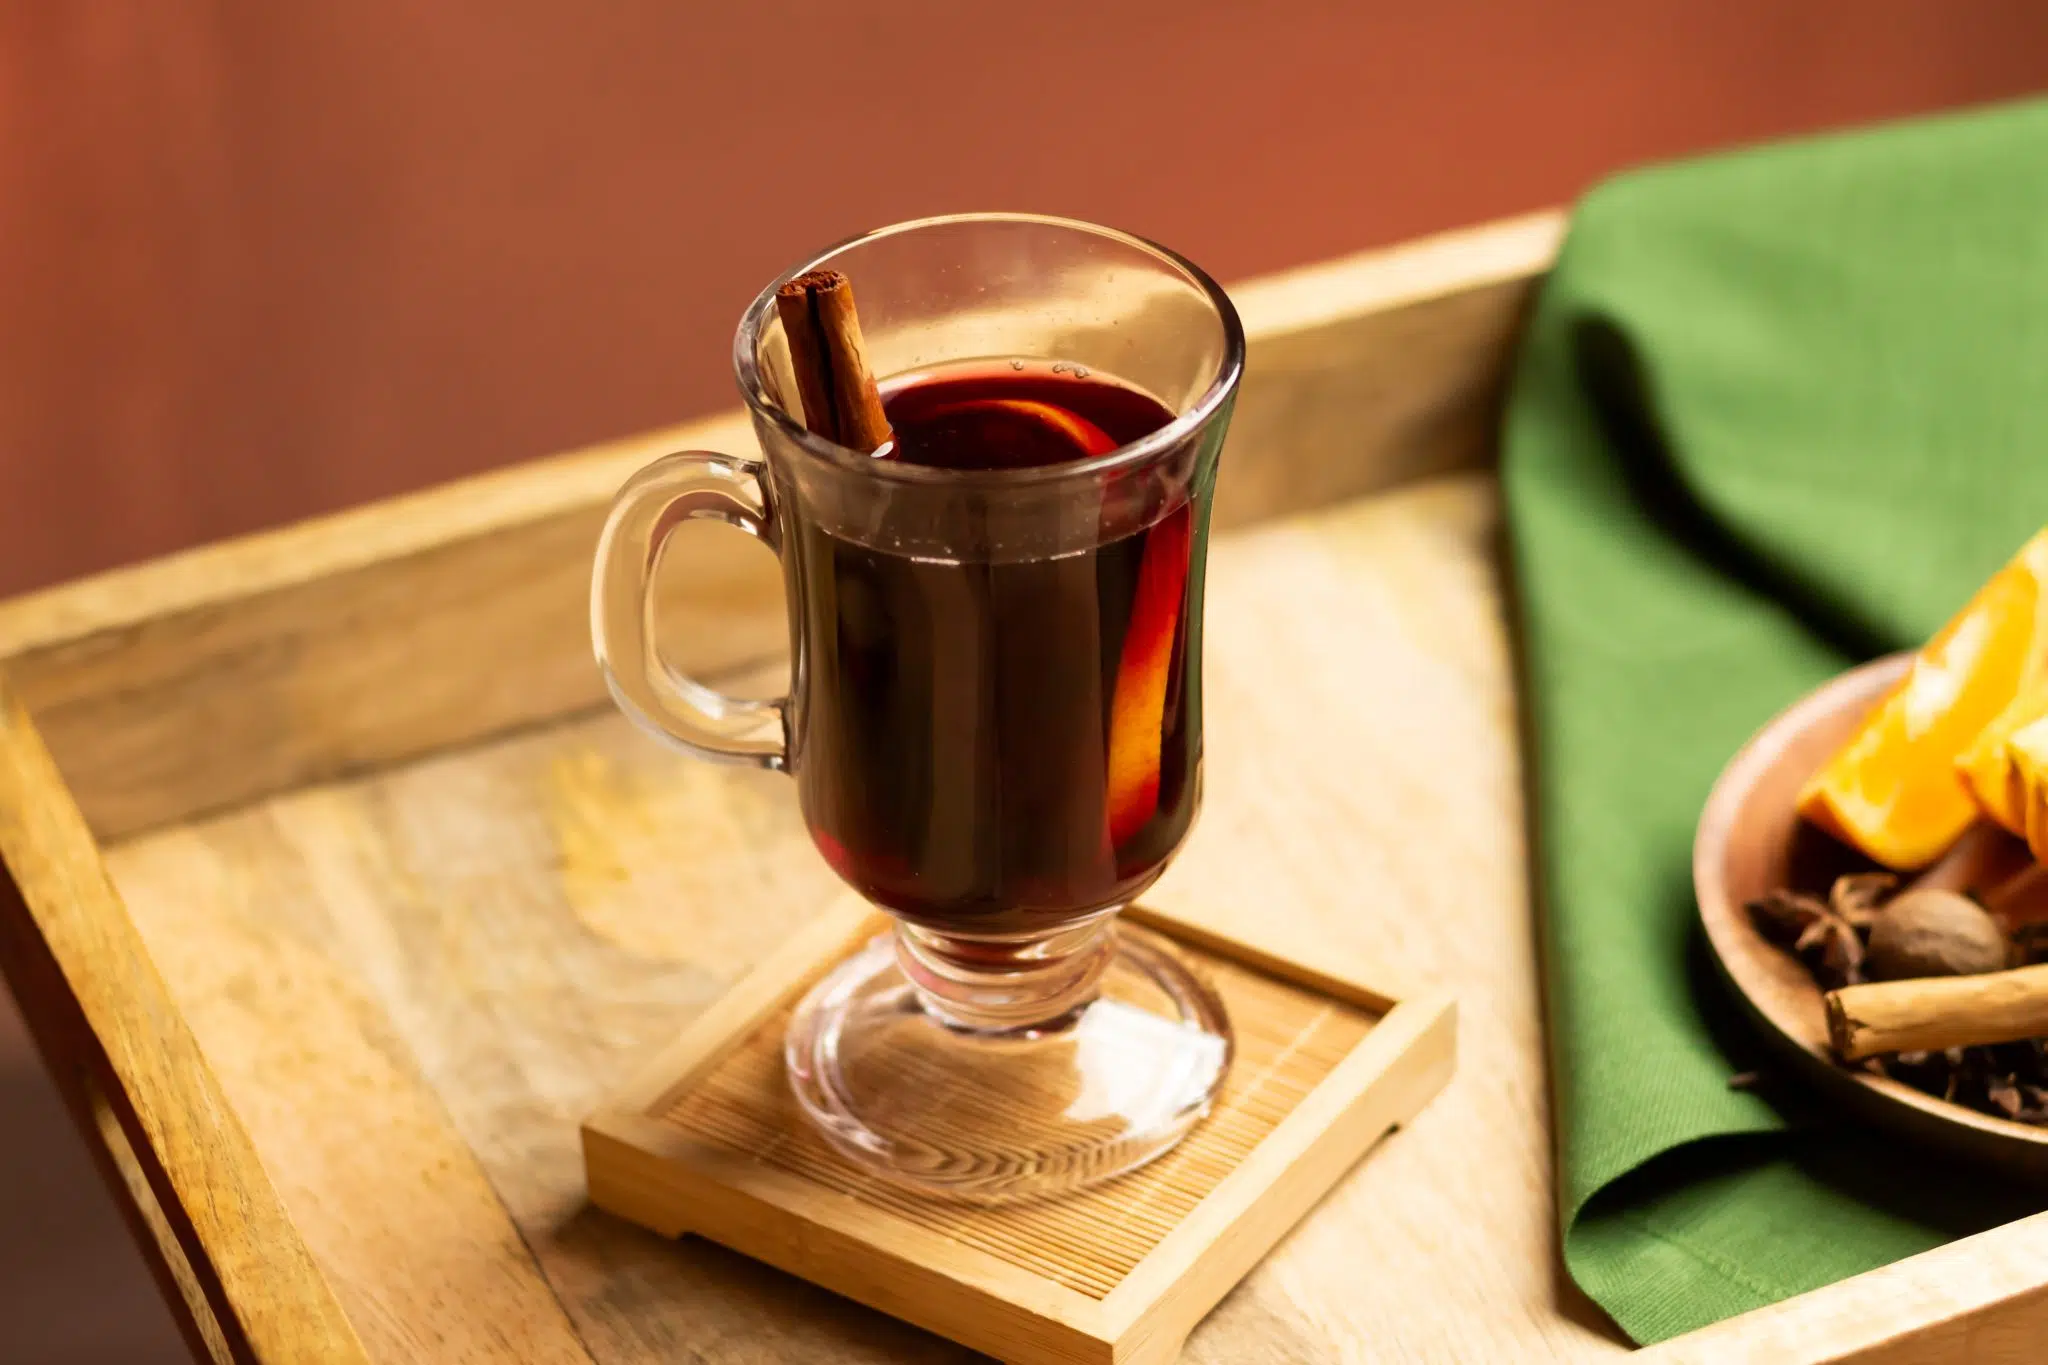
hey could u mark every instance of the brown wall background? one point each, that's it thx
(261, 260)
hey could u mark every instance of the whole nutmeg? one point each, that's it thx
(1934, 933)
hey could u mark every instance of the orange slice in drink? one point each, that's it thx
(1086, 438)
(1025, 426)
(1894, 790)
(1137, 709)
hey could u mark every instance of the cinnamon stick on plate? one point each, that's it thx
(833, 381)
(1936, 1012)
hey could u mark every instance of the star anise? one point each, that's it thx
(1835, 951)
(1827, 935)
(1858, 896)
(1783, 915)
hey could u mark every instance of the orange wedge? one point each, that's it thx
(1986, 767)
(1894, 790)
(2027, 750)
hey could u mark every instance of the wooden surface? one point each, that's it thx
(74, 1286)
(411, 1010)
(410, 982)
(709, 1141)
(414, 985)
(238, 670)
(195, 1188)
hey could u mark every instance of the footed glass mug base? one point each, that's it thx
(909, 1059)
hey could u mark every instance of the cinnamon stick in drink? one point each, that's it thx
(833, 381)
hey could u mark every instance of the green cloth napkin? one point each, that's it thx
(1776, 412)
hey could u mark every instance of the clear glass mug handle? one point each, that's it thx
(695, 485)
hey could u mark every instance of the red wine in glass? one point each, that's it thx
(998, 747)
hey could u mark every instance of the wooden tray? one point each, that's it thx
(707, 1140)
(337, 898)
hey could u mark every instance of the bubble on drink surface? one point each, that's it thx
(1016, 364)
(1080, 371)
(1059, 367)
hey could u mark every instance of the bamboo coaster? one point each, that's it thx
(708, 1141)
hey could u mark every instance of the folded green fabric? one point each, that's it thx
(1776, 411)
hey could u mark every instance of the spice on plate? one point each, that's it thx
(1921, 987)
(1934, 933)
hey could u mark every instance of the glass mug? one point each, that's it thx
(994, 718)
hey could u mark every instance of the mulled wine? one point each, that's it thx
(998, 746)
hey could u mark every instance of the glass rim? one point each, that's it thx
(747, 369)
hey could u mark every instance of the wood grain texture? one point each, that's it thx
(1387, 831)
(84, 1079)
(472, 951)
(912, 1273)
(236, 1259)
(414, 985)
(712, 1143)
(239, 670)
(340, 645)
(767, 989)
(411, 982)
(1343, 398)
(1383, 1081)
